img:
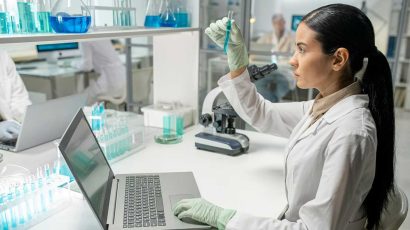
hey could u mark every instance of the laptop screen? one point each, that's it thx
(88, 165)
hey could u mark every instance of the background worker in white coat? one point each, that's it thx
(101, 57)
(277, 84)
(332, 178)
(13, 99)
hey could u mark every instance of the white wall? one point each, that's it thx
(379, 14)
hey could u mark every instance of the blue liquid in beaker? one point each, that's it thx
(70, 24)
(182, 19)
(151, 21)
(4, 25)
(26, 17)
(43, 22)
(168, 23)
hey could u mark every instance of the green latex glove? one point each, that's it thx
(237, 54)
(203, 211)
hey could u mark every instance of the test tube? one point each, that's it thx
(228, 30)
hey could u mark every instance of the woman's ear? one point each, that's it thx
(340, 59)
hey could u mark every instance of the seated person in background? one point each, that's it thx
(13, 99)
(101, 57)
(276, 85)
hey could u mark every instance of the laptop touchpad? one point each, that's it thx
(176, 198)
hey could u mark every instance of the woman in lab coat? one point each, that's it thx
(13, 99)
(101, 57)
(339, 160)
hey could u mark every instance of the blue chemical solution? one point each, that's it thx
(152, 21)
(182, 19)
(70, 24)
(168, 23)
(4, 25)
(44, 22)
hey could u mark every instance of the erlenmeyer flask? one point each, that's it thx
(152, 13)
(167, 16)
(70, 16)
(181, 13)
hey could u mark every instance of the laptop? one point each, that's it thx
(126, 201)
(45, 122)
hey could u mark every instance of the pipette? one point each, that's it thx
(228, 30)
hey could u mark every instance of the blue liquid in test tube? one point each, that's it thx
(44, 22)
(228, 31)
(4, 24)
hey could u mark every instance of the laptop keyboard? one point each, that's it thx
(143, 205)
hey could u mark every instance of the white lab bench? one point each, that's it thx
(36, 72)
(252, 182)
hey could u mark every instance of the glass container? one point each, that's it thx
(152, 14)
(181, 13)
(26, 16)
(70, 16)
(43, 16)
(167, 18)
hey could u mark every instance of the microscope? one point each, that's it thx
(222, 136)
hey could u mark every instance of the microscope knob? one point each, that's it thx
(205, 119)
(230, 131)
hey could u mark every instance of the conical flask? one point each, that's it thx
(152, 13)
(181, 13)
(70, 16)
(167, 16)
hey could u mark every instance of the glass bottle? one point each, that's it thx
(152, 13)
(167, 18)
(70, 16)
(43, 16)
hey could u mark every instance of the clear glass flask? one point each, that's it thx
(167, 18)
(70, 16)
(152, 13)
(43, 16)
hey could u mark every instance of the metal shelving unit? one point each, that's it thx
(120, 33)
(400, 62)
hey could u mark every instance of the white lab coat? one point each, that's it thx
(13, 94)
(285, 44)
(101, 57)
(329, 166)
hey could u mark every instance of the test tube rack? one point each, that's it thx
(124, 15)
(123, 145)
(31, 204)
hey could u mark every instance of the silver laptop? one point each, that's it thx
(45, 122)
(126, 201)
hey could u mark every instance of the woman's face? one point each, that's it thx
(311, 67)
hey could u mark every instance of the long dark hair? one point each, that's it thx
(340, 25)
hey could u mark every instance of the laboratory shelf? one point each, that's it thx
(117, 33)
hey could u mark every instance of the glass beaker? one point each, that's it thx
(167, 18)
(152, 13)
(43, 16)
(181, 13)
(172, 129)
(70, 16)
(26, 16)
